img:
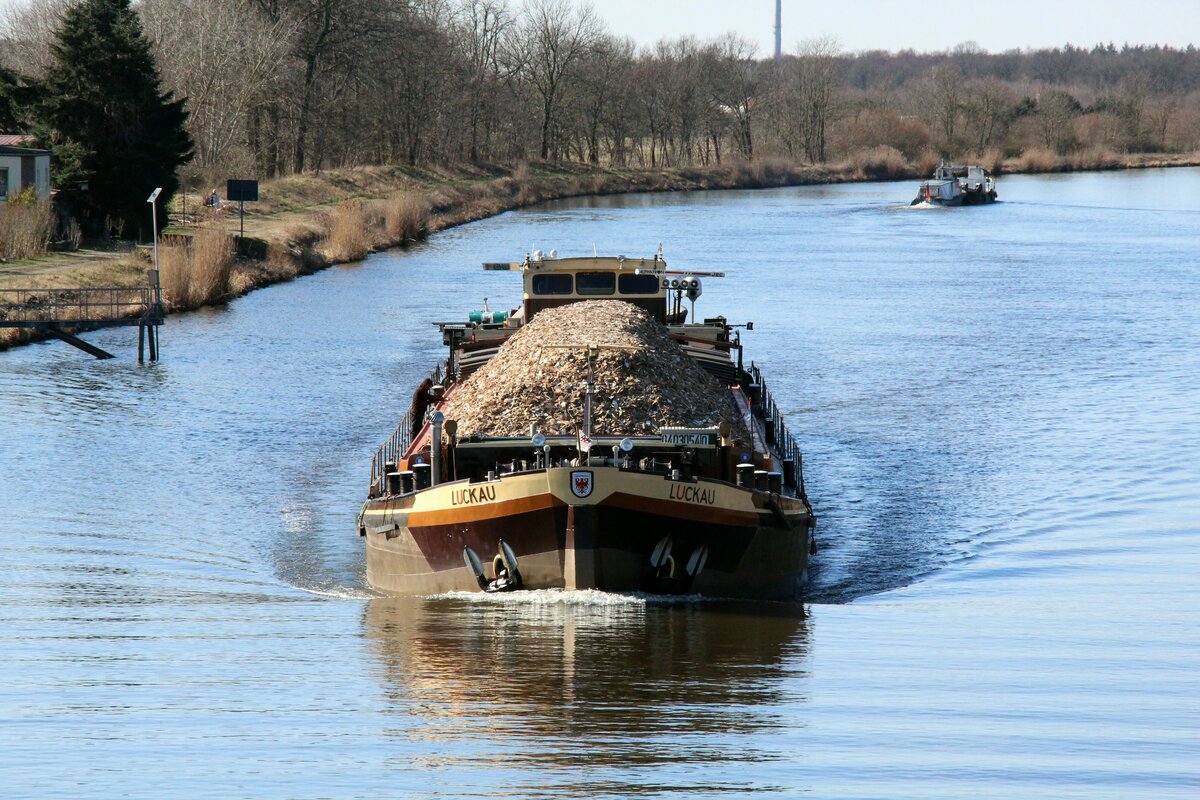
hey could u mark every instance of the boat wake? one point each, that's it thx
(339, 592)
(563, 597)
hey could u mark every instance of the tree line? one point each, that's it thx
(273, 87)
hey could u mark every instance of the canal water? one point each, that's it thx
(1000, 411)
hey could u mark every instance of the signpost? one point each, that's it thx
(241, 191)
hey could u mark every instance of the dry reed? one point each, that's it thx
(1037, 159)
(26, 229)
(406, 217)
(197, 272)
(175, 275)
(927, 163)
(348, 238)
(212, 260)
(881, 161)
(1095, 158)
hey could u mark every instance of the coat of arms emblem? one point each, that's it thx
(581, 483)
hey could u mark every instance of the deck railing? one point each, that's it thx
(778, 434)
(392, 450)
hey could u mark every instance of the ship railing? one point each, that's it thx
(389, 454)
(391, 451)
(778, 435)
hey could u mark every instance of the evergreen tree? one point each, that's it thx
(14, 101)
(115, 135)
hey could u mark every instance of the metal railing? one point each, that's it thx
(92, 307)
(778, 434)
(392, 450)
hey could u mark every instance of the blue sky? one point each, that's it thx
(916, 24)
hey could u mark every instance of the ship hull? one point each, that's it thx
(631, 532)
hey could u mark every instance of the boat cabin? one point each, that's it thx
(971, 177)
(550, 281)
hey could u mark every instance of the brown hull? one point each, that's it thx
(756, 543)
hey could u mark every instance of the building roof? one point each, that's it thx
(22, 151)
(15, 139)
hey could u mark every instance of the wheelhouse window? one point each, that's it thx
(638, 284)
(595, 282)
(552, 284)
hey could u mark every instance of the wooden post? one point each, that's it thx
(141, 342)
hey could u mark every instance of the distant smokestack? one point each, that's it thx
(778, 28)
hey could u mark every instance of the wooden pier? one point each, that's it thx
(57, 312)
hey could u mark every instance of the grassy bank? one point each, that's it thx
(307, 222)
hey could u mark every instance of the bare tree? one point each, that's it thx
(1056, 110)
(481, 26)
(816, 82)
(987, 110)
(686, 97)
(555, 36)
(735, 86)
(1158, 117)
(30, 31)
(943, 94)
(221, 55)
(605, 68)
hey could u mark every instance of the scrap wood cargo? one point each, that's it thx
(643, 378)
(592, 438)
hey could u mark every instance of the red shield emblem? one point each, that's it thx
(581, 483)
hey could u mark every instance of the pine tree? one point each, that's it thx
(115, 135)
(15, 95)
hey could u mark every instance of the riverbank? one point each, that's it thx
(307, 222)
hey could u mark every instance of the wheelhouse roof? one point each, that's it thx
(580, 264)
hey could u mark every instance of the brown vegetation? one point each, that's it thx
(406, 216)
(26, 229)
(195, 270)
(348, 238)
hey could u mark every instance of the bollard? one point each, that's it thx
(422, 476)
(760, 480)
(745, 476)
(789, 471)
(408, 482)
(774, 482)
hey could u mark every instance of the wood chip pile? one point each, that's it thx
(537, 378)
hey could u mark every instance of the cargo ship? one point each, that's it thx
(957, 185)
(715, 508)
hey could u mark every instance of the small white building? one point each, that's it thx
(22, 167)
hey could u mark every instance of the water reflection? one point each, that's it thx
(556, 680)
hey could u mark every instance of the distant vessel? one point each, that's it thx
(957, 185)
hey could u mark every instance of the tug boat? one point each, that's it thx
(957, 185)
(717, 511)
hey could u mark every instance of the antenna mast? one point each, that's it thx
(778, 29)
